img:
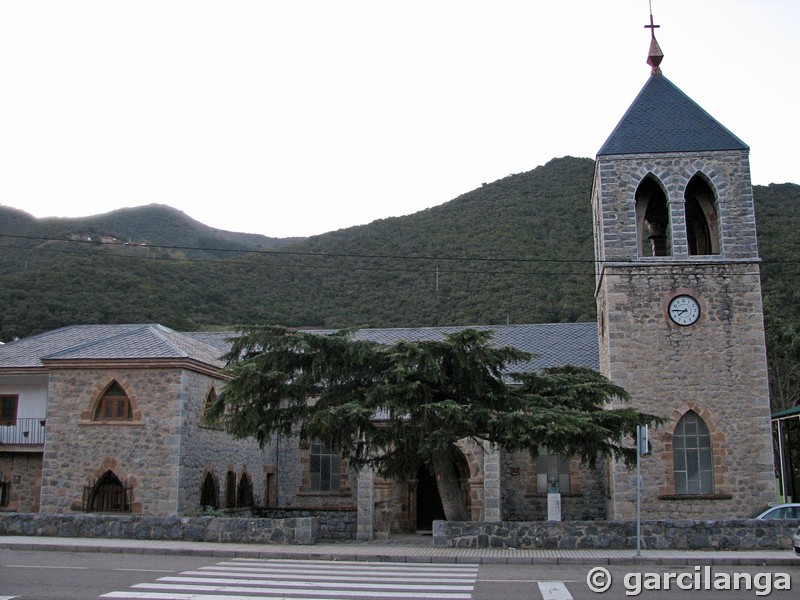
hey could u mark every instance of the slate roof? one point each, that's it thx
(124, 342)
(552, 344)
(664, 119)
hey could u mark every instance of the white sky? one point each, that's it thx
(301, 117)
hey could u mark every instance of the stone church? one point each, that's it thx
(110, 418)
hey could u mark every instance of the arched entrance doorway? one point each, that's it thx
(428, 501)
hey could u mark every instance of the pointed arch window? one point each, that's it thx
(702, 225)
(692, 458)
(114, 405)
(244, 492)
(108, 494)
(206, 420)
(209, 492)
(230, 489)
(652, 219)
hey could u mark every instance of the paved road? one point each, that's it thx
(69, 575)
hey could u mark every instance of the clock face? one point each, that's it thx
(684, 310)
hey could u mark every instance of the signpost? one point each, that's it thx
(642, 448)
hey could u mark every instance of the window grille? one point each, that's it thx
(107, 494)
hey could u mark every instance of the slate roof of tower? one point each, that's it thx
(551, 344)
(663, 119)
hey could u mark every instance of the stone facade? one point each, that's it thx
(210, 450)
(162, 454)
(22, 473)
(716, 367)
(522, 501)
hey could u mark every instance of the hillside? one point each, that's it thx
(516, 250)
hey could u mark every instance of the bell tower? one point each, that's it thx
(679, 305)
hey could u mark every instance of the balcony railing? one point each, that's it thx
(22, 432)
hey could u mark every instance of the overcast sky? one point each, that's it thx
(295, 118)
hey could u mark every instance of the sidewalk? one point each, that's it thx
(405, 549)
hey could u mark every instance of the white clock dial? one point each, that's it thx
(684, 310)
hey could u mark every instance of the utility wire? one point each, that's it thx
(323, 254)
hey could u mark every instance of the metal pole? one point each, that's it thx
(782, 460)
(638, 494)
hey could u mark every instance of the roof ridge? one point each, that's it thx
(131, 329)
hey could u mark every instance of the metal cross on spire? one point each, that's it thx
(655, 55)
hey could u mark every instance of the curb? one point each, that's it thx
(407, 554)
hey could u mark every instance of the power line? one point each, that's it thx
(324, 254)
(296, 253)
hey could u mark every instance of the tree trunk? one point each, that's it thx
(455, 509)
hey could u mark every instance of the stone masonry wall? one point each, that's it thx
(23, 473)
(585, 501)
(615, 208)
(744, 534)
(331, 524)
(716, 367)
(143, 452)
(299, 530)
(292, 471)
(206, 449)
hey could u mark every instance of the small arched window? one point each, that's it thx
(691, 452)
(244, 495)
(206, 420)
(108, 494)
(652, 219)
(702, 227)
(230, 489)
(114, 405)
(209, 493)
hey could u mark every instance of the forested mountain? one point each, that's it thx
(517, 250)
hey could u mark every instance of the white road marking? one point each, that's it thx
(44, 567)
(263, 579)
(554, 590)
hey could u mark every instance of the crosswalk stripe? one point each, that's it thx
(256, 579)
(320, 583)
(343, 572)
(554, 590)
(318, 575)
(348, 592)
(310, 565)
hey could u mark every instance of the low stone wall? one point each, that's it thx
(332, 524)
(299, 530)
(738, 534)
